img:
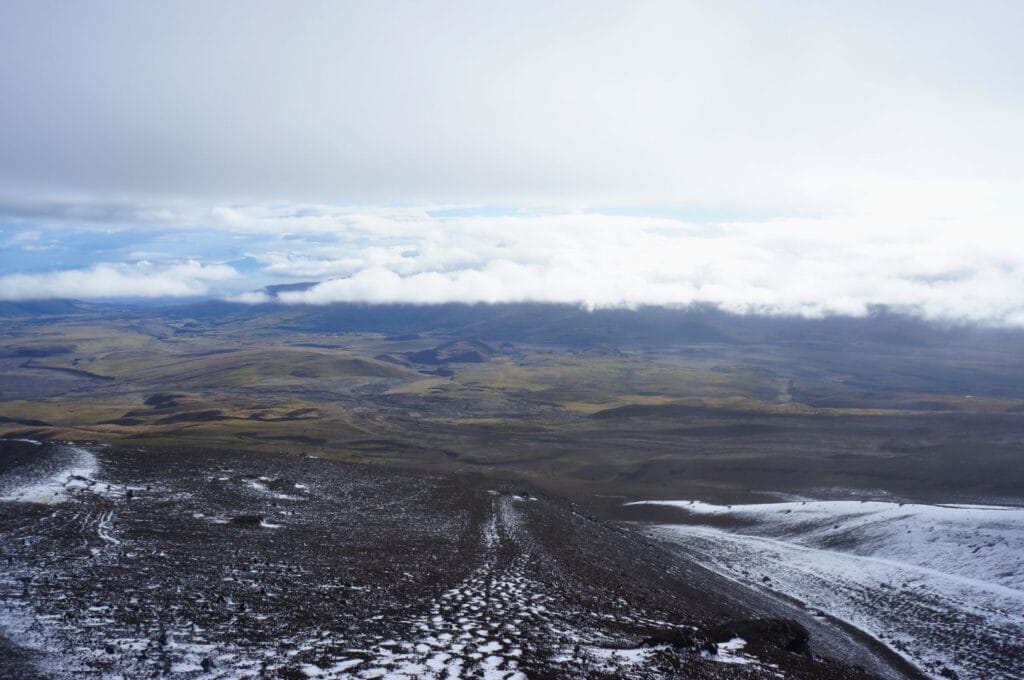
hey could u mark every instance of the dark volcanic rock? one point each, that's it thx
(678, 638)
(766, 634)
(281, 485)
(356, 571)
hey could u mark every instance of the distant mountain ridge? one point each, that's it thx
(557, 324)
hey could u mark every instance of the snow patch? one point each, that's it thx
(260, 486)
(77, 475)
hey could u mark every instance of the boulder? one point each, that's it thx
(766, 635)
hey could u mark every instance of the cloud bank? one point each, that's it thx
(937, 268)
(104, 281)
(810, 267)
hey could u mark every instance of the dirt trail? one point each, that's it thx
(475, 628)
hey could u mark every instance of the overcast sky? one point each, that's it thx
(808, 157)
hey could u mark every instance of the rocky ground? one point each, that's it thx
(133, 563)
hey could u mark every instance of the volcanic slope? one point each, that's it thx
(195, 564)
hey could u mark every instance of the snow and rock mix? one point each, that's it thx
(943, 585)
(71, 472)
(214, 564)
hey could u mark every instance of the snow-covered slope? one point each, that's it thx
(979, 542)
(941, 584)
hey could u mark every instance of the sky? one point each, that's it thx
(805, 158)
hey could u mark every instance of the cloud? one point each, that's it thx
(939, 269)
(141, 280)
(777, 107)
(254, 297)
(950, 266)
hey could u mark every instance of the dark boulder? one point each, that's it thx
(766, 635)
(679, 639)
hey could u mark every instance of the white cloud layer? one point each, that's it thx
(141, 280)
(939, 269)
(948, 268)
